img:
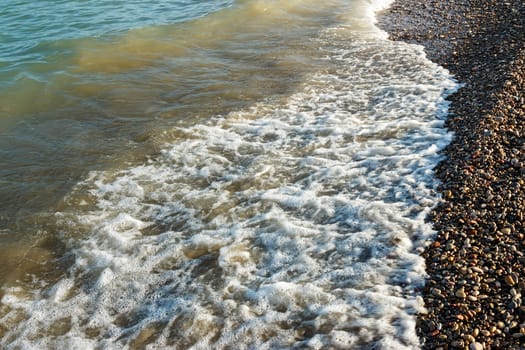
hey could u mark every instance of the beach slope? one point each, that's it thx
(476, 264)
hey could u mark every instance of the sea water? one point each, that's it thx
(250, 174)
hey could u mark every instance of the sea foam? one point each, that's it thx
(291, 224)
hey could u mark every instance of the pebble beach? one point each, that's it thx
(476, 271)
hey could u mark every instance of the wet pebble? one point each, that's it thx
(476, 265)
(476, 346)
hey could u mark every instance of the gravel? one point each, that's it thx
(474, 293)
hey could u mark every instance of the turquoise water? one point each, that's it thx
(32, 30)
(249, 174)
(81, 80)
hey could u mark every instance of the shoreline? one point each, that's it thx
(476, 264)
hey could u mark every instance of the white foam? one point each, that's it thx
(284, 225)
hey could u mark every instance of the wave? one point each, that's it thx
(294, 222)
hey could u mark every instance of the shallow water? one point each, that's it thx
(245, 175)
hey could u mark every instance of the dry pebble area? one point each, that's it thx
(476, 265)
